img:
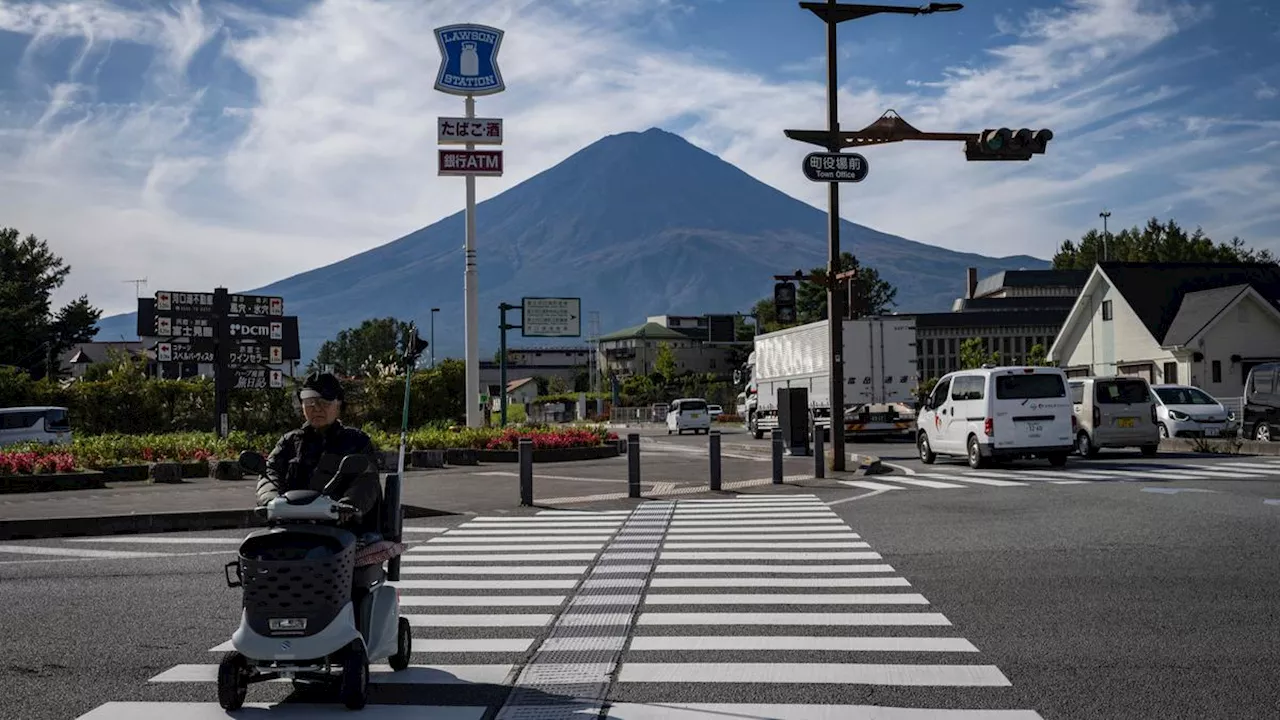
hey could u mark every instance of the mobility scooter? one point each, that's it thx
(310, 610)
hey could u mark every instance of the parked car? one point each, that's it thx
(688, 414)
(997, 412)
(1114, 412)
(1260, 414)
(715, 411)
(49, 425)
(1184, 411)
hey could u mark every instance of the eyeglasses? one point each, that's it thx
(317, 403)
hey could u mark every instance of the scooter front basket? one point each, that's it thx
(304, 574)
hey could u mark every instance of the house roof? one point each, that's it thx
(1198, 310)
(95, 352)
(647, 331)
(513, 385)
(1031, 278)
(1157, 292)
(1042, 302)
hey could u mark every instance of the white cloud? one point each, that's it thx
(336, 149)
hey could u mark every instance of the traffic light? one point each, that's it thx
(1006, 144)
(414, 345)
(784, 302)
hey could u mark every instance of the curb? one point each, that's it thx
(548, 455)
(139, 523)
(1247, 447)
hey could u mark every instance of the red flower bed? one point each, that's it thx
(509, 439)
(29, 463)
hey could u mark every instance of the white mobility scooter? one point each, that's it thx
(310, 612)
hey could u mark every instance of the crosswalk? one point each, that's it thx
(759, 606)
(953, 477)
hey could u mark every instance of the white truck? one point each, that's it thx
(880, 376)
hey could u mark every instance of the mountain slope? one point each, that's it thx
(636, 224)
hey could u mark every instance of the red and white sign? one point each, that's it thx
(459, 131)
(471, 162)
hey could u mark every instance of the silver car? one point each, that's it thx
(1184, 411)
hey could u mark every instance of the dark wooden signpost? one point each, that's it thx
(240, 335)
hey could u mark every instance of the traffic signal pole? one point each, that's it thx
(835, 314)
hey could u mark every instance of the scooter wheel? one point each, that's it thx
(354, 688)
(404, 646)
(233, 682)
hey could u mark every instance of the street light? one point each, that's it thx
(833, 13)
(1104, 215)
(433, 337)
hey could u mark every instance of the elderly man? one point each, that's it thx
(308, 458)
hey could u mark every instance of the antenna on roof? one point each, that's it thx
(137, 286)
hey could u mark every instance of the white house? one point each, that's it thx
(1198, 324)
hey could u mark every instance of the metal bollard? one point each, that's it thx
(819, 461)
(777, 457)
(525, 447)
(633, 465)
(715, 459)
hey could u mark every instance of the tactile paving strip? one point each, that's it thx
(570, 673)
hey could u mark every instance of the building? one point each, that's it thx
(1200, 324)
(77, 360)
(634, 350)
(1011, 312)
(566, 363)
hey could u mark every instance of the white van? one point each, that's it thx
(50, 425)
(998, 413)
(689, 414)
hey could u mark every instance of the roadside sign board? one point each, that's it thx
(255, 354)
(256, 378)
(487, 163)
(258, 305)
(835, 167)
(184, 302)
(459, 131)
(192, 326)
(551, 317)
(469, 59)
(722, 329)
(184, 353)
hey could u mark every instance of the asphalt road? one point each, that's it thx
(1110, 598)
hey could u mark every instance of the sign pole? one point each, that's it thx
(411, 364)
(221, 364)
(502, 358)
(472, 310)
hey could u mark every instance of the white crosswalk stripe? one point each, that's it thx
(727, 601)
(947, 476)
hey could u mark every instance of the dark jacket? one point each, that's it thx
(307, 459)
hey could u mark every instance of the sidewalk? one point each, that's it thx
(207, 504)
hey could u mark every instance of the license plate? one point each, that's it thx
(1125, 422)
(695, 416)
(1211, 432)
(1034, 428)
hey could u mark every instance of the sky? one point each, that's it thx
(236, 142)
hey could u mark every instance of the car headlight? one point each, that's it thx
(1177, 415)
(1231, 415)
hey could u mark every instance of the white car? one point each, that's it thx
(689, 414)
(993, 413)
(715, 411)
(1186, 411)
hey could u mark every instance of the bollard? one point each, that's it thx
(777, 457)
(526, 471)
(633, 465)
(819, 461)
(715, 459)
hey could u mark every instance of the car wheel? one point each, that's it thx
(1262, 433)
(1084, 445)
(927, 455)
(976, 461)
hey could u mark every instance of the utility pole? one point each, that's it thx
(1105, 236)
(503, 327)
(991, 144)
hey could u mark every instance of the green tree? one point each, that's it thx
(32, 336)
(639, 390)
(664, 363)
(974, 354)
(1156, 242)
(557, 385)
(360, 350)
(872, 295)
(1037, 355)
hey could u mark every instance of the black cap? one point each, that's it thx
(321, 385)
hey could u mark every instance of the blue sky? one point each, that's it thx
(236, 142)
